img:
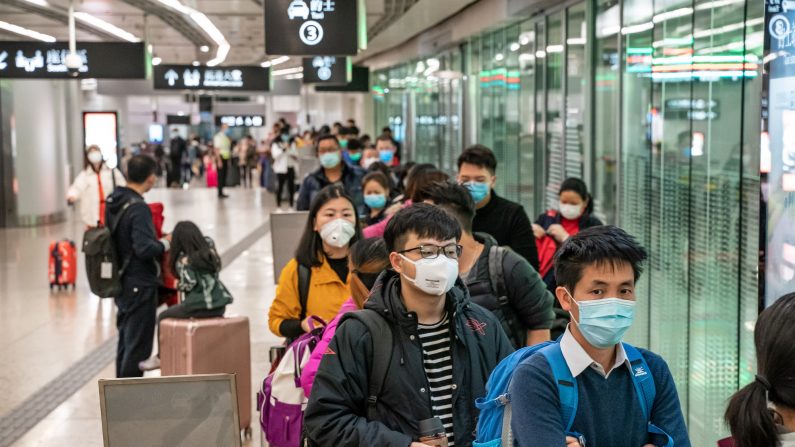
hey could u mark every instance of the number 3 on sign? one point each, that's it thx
(311, 32)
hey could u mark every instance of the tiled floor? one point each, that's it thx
(41, 334)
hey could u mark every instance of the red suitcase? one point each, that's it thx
(63, 264)
(168, 290)
(210, 346)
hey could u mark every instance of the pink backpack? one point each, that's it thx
(281, 400)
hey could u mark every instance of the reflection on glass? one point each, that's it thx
(554, 108)
(527, 135)
(576, 39)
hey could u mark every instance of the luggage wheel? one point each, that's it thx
(247, 433)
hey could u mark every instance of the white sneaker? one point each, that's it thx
(150, 364)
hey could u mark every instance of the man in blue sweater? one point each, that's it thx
(596, 270)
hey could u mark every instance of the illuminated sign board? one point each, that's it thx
(314, 27)
(41, 60)
(327, 70)
(360, 82)
(240, 120)
(188, 77)
(101, 129)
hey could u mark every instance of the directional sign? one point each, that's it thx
(37, 60)
(360, 82)
(181, 77)
(327, 70)
(240, 120)
(315, 27)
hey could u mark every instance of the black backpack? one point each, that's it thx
(102, 264)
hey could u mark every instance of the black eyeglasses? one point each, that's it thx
(452, 251)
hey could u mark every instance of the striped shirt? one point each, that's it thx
(438, 362)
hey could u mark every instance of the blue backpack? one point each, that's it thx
(494, 424)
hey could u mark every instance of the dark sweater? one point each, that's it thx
(507, 222)
(135, 238)
(608, 414)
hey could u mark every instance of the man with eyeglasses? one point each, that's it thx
(442, 349)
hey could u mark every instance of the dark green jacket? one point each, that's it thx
(201, 290)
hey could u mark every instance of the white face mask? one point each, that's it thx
(337, 233)
(434, 276)
(95, 157)
(570, 211)
(368, 162)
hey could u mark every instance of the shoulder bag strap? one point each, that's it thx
(497, 279)
(381, 334)
(304, 279)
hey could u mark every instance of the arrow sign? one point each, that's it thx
(171, 77)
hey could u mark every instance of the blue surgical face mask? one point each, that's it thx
(285, 137)
(375, 201)
(330, 160)
(386, 156)
(478, 190)
(604, 322)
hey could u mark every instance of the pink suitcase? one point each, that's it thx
(210, 346)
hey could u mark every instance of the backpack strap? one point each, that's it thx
(304, 279)
(566, 383)
(379, 330)
(115, 225)
(497, 278)
(644, 387)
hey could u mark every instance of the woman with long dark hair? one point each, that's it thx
(368, 258)
(197, 265)
(322, 254)
(763, 413)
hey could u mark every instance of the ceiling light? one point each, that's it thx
(499, 56)
(295, 76)
(105, 26)
(554, 49)
(195, 63)
(204, 48)
(26, 32)
(207, 26)
(39, 3)
(635, 29)
(156, 61)
(288, 71)
(515, 46)
(676, 13)
(277, 61)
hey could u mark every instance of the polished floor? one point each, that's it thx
(42, 333)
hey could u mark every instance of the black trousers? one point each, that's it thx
(289, 179)
(180, 312)
(135, 320)
(222, 171)
(246, 173)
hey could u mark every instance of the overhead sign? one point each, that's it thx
(41, 60)
(327, 70)
(360, 82)
(240, 120)
(181, 77)
(315, 27)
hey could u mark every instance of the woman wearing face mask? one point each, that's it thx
(96, 182)
(368, 259)
(375, 187)
(552, 228)
(285, 159)
(331, 228)
(763, 413)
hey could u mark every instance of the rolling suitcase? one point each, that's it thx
(168, 289)
(63, 264)
(210, 346)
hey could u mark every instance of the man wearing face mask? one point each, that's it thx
(443, 346)
(333, 170)
(139, 252)
(386, 151)
(625, 396)
(504, 220)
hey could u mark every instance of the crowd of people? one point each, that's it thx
(457, 279)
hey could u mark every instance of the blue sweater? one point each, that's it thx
(608, 414)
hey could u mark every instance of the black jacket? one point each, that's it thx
(508, 223)
(337, 406)
(315, 181)
(135, 238)
(529, 301)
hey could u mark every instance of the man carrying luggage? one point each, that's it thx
(138, 252)
(440, 347)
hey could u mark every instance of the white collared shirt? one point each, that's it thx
(578, 360)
